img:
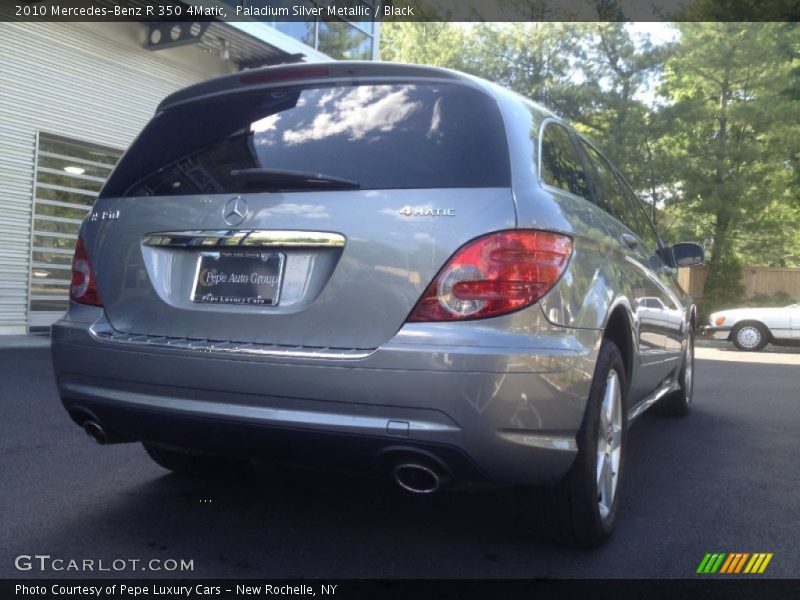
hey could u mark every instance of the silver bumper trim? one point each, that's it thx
(108, 335)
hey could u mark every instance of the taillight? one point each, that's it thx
(83, 287)
(494, 275)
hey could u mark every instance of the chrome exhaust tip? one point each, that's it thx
(95, 432)
(417, 478)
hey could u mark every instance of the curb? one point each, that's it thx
(18, 342)
(711, 343)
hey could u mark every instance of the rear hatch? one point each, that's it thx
(303, 214)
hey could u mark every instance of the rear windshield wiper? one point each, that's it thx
(273, 179)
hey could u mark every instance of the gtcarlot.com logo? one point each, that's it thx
(734, 563)
(45, 562)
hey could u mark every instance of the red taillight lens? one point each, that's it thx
(494, 275)
(83, 287)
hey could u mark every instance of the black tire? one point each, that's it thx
(569, 512)
(184, 462)
(742, 328)
(679, 403)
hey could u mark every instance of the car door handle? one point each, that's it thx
(629, 241)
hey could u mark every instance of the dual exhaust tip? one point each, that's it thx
(95, 432)
(94, 428)
(414, 477)
(100, 435)
(418, 478)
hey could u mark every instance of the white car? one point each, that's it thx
(751, 329)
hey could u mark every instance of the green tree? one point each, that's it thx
(728, 118)
(618, 69)
(437, 44)
(538, 60)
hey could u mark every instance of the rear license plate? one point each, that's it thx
(231, 277)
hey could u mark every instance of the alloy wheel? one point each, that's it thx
(609, 444)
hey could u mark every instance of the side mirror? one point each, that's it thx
(685, 254)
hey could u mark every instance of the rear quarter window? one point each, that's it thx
(408, 135)
(560, 163)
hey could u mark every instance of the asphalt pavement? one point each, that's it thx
(727, 479)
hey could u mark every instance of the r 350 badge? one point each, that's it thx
(104, 215)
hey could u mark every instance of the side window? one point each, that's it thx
(608, 189)
(560, 164)
(646, 230)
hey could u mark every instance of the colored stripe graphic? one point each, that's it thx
(754, 563)
(734, 563)
(728, 563)
(716, 564)
(703, 563)
(711, 563)
(741, 562)
(765, 563)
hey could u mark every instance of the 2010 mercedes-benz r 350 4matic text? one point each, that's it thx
(379, 267)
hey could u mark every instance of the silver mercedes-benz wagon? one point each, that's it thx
(377, 268)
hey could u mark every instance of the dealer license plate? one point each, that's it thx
(238, 277)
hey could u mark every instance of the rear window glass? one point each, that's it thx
(380, 136)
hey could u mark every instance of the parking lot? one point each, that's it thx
(725, 480)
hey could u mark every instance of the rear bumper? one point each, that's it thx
(718, 333)
(493, 413)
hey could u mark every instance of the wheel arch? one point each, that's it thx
(619, 329)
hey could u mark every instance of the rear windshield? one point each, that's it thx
(380, 136)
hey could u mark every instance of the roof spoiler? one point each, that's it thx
(308, 72)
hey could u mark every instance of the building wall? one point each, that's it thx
(90, 82)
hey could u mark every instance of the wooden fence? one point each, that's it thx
(756, 280)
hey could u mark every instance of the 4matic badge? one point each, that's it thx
(427, 211)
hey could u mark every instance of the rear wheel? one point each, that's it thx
(581, 509)
(185, 462)
(750, 337)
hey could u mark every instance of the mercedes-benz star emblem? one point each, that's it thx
(235, 211)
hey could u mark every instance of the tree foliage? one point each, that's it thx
(733, 128)
(705, 128)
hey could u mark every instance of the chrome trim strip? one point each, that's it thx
(244, 237)
(665, 389)
(107, 335)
